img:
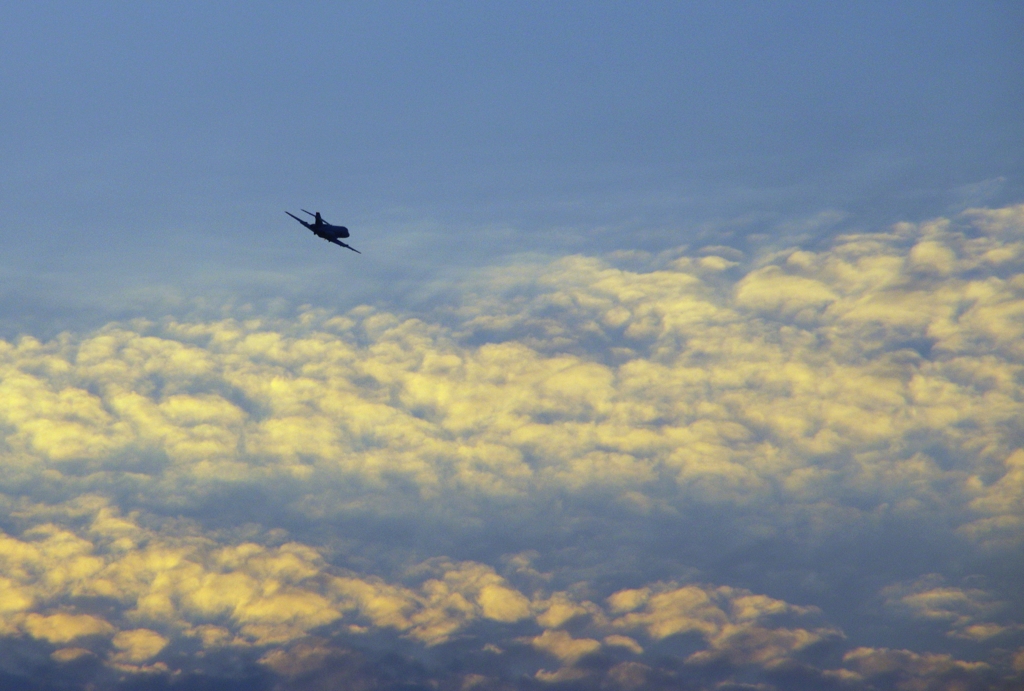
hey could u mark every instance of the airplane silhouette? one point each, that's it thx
(323, 229)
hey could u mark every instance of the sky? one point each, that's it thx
(683, 352)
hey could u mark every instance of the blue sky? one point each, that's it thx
(684, 348)
(158, 145)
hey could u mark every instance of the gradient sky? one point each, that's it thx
(684, 350)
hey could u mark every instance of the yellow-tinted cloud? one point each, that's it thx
(624, 642)
(967, 611)
(905, 669)
(879, 376)
(64, 628)
(564, 647)
(172, 586)
(138, 645)
(65, 655)
(853, 352)
(733, 622)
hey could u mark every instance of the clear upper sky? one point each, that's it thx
(685, 348)
(157, 145)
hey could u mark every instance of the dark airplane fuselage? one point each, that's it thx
(328, 232)
(323, 229)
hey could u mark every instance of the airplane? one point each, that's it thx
(323, 229)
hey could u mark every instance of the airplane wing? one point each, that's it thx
(298, 219)
(321, 234)
(342, 244)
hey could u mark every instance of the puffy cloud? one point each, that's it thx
(63, 628)
(672, 611)
(624, 642)
(967, 611)
(246, 483)
(813, 359)
(906, 670)
(168, 581)
(564, 647)
(70, 654)
(138, 645)
(170, 586)
(730, 620)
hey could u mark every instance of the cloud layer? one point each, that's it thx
(801, 467)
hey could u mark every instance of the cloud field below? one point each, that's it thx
(697, 469)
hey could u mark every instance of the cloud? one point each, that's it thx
(280, 594)
(64, 628)
(969, 612)
(583, 461)
(716, 398)
(138, 645)
(903, 669)
(564, 647)
(730, 620)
